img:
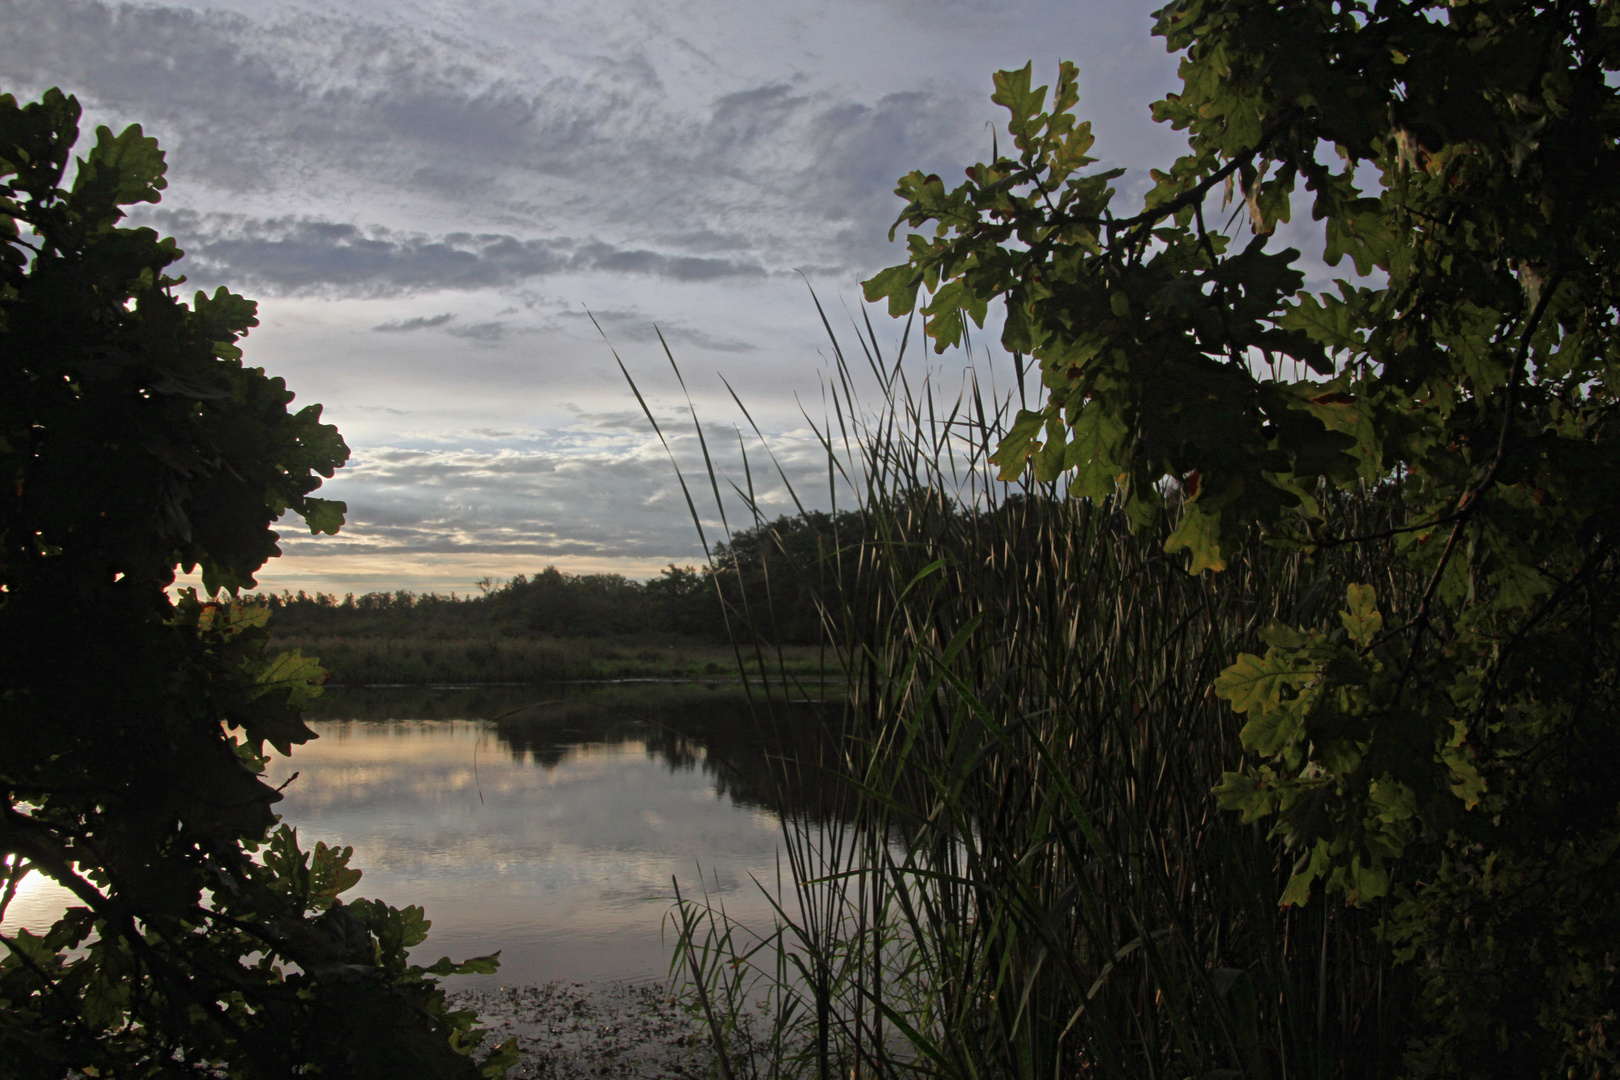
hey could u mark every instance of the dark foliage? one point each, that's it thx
(132, 729)
(1444, 753)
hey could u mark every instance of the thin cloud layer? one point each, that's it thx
(421, 322)
(381, 118)
(602, 489)
(304, 257)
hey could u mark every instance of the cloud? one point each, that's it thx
(638, 327)
(424, 322)
(599, 486)
(704, 340)
(691, 181)
(295, 256)
(485, 331)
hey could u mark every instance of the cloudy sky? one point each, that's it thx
(430, 199)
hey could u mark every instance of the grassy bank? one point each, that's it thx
(421, 659)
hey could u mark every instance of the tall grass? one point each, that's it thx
(1028, 876)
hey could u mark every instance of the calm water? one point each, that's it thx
(550, 833)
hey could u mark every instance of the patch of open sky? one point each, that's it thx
(512, 163)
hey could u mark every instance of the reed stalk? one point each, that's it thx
(1023, 872)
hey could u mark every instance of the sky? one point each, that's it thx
(454, 214)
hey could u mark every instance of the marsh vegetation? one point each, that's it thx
(1030, 876)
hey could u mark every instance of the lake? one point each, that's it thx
(543, 822)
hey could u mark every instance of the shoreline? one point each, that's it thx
(656, 680)
(419, 660)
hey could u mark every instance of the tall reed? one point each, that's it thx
(1026, 874)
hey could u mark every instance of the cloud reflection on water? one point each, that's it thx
(550, 834)
(558, 845)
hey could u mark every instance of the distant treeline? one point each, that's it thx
(769, 575)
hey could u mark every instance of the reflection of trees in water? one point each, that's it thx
(778, 762)
(785, 763)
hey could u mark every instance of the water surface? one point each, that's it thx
(545, 823)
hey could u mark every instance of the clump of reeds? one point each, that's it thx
(1026, 874)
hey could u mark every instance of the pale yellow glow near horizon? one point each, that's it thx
(362, 573)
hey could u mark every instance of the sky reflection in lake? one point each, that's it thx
(549, 833)
(551, 836)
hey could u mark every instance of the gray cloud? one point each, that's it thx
(485, 331)
(601, 486)
(301, 256)
(414, 502)
(422, 322)
(637, 327)
(771, 176)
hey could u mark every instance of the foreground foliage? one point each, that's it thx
(1447, 750)
(204, 941)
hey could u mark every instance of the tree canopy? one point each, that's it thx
(204, 940)
(1444, 743)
